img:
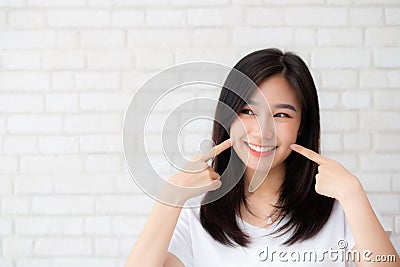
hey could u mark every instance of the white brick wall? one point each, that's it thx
(68, 69)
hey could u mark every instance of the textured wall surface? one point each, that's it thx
(68, 69)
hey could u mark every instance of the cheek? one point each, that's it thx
(238, 129)
(286, 133)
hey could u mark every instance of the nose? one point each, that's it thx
(266, 127)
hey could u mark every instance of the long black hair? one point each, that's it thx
(306, 210)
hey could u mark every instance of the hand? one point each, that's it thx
(332, 180)
(197, 177)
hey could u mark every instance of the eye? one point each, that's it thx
(282, 115)
(247, 111)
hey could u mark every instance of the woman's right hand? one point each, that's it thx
(196, 177)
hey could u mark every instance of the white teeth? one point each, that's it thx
(261, 149)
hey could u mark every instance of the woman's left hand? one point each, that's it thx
(332, 180)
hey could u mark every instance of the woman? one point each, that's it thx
(282, 208)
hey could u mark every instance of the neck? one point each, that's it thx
(271, 183)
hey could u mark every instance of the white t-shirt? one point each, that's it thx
(196, 248)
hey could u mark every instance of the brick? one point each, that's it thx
(62, 205)
(215, 17)
(62, 102)
(58, 3)
(349, 161)
(380, 162)
(340, 58)
(110, 60)
(63, 60)
(143, 3)
(250, 37)
(396, 183)
(165, 18)
(385, 203)
(305, 37)
(103, 163)
(159, 38)
(64, 246)
(339, 79)
(29, 39)
(304, 2)
(264, 17)
(24, 81)
(101, 3)
(84, 184)
(15, 205)
(17, 246)
(33, 262)
(12, 3)
(78, 18)
(387, 142)
(33, 184)
(7, 262)
(102, 39)
(98, 226)
(5, 226)
(369, 16)
(106, 246)
(63, 81)
(194, 3)
(380, 79)
(392, 16)
(100, 143)
(88, 262)
(95, 124)
(124, 204)
(357, 141)
(92, 80)
(382, 120)
(20, 144)
(386, 99)
(21, 103)
(128, 225)
(387, 58)
(331, 143)
(34, 124)
(356, 100)
(36, 226)
(128, 18)
(340, 37)
(17, 60)
(339, 121)
(211, 38)
(154, 60)
(2, 125)
(8, 164)
(6, 184)
(382, 36)
(67, 39)
(125, 183)
(316, 16)
(376, 182)
(329, 100)
(23, 19)
(58, 144)
(51, 164)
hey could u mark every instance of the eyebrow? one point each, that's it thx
(284, 106)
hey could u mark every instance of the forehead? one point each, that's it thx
(275, 90)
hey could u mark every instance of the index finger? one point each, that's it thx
(308, 153)
(216, 150)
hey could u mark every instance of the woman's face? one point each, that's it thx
(267, 126)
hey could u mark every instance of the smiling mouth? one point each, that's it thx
(260, 149)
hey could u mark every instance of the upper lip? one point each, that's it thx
(259, 145)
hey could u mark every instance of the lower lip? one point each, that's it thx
(261, 154)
